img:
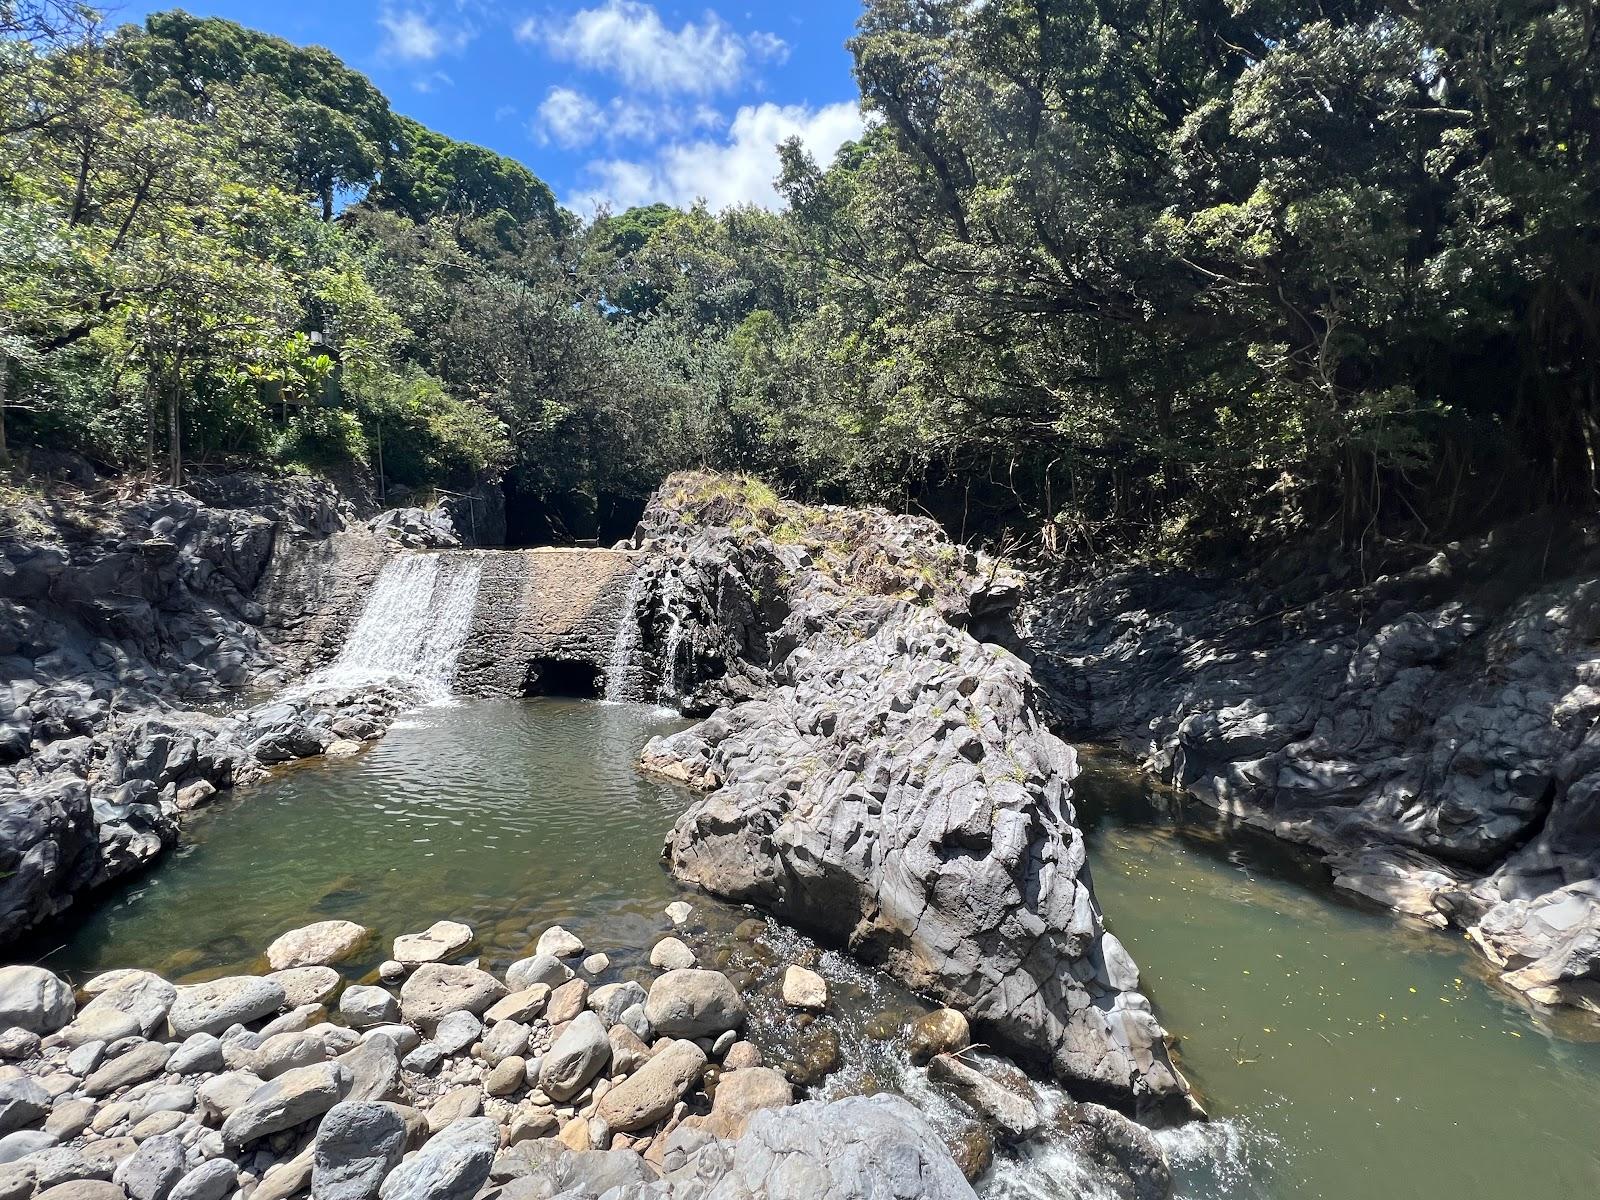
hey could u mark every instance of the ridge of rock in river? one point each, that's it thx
(1435, 732)
(891, 784)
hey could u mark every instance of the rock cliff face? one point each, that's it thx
(123, 609)
(891, 784)
(1433, 733)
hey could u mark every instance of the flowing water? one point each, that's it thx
(1341, 1055)
(413, 625)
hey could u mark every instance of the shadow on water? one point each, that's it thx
(1347, 1053)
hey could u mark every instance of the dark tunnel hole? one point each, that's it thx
(564, 677)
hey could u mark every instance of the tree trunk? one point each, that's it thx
(5, 394)
(174, 434)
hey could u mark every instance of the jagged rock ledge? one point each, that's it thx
(1433, 733)
(123, 607)
(888, 781)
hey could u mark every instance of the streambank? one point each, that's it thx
(137, 623)
(434, 1079)
(882, 775)
(1431, 733)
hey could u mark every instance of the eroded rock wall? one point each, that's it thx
(892, 784)
(1432, 733)
(123, 608)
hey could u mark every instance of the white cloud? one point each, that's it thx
(628, 39)
(769, 47)
(738, 170)
(570, 118)
(412, 35)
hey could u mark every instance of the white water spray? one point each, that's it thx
(622, 664)
(414, 624)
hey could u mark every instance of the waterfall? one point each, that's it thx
(413, 626)
(622, 664)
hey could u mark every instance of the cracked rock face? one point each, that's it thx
(896, 789)
(1431, 732)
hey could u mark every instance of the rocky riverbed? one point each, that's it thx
(437, 1080)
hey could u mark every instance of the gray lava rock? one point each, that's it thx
(939, 828)
(22, 1103)
(577, 1056)
(211, 1180)
(365, 1006)
(34, 999)
(541, 968)
(692, 1003)
(457, 1031)
(153, 1170)
(145, 997)
(453, 1165)
(436, 989)
(357, 1145)
(23, 1143)
(212, 1007)
(199, 1054)
(289, 1100)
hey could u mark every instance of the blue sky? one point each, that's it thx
(609, 101)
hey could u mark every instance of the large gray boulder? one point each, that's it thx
(145, 997)
(452, 1165)
(34, 999)
(650, 1093)
(234, 1000)
(316, 945)
(358, 1143)
(692, 1003)
(894, 786)
(576, 1058)
(291, 1099)
(437, 989)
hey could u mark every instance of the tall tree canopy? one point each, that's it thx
(1139, 275)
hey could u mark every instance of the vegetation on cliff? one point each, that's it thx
(1138, 275)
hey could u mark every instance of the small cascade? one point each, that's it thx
(622, 664)
(413, 626)
(670, 691)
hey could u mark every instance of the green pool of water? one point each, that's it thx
(1342, 1054)
(508, 815)
(1348, 1055)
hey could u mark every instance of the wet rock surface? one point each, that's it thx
(893, 785)
(1431, 733)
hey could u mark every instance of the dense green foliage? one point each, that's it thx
(1141, 274)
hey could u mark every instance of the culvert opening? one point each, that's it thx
(564, 677)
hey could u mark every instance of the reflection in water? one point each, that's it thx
(1347, 1054)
